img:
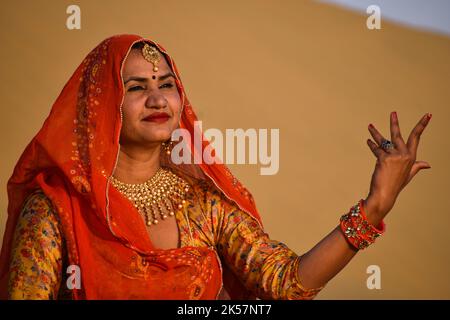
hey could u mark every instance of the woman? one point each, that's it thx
(98, 210)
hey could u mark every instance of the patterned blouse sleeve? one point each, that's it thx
(266, 267)
(36, 261)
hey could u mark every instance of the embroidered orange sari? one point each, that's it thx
(72, 159)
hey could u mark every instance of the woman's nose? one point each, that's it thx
(157, 101)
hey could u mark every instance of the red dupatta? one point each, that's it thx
(71, 159)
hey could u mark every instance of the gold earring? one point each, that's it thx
(167, 146)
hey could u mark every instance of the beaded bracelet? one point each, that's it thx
(357, 229)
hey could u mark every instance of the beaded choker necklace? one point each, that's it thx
(157, 196)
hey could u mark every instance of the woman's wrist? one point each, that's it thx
(358, 229)
(373, 214)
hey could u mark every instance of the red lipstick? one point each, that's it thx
(158, 117)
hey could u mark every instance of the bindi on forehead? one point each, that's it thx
(137, 67)
(154, 56)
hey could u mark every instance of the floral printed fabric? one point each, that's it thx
(38, 250)
(266, 267)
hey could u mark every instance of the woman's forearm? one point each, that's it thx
(320, 264)
(396, 166)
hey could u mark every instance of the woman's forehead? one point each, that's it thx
(135, 63)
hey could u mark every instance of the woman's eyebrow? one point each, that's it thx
(138, 79)
(167, 75)
(143, 79)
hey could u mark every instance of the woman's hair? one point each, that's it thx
(138, 45)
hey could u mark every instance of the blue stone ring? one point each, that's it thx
(386, 145)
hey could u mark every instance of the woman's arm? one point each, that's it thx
(265, 266)
(272, 270)
(320, 264)
(394, 170)
(36, 259)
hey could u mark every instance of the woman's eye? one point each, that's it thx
(167, 85)
(135, 88)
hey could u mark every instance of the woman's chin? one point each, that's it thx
(156, 138)
(157, 135)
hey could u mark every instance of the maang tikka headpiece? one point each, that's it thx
(151, 54)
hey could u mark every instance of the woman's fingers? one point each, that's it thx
(375, 134)
(417, 166)
(374, 148)
(414, 136)
(396, 135)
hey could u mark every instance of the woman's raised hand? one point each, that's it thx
(395, 167)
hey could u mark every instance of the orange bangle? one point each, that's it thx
(357, 229)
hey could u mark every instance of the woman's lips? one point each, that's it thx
(159, 117)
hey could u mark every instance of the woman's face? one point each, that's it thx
(148, 93)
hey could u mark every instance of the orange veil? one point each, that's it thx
(73, 156)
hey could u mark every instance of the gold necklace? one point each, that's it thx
(164, 190)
